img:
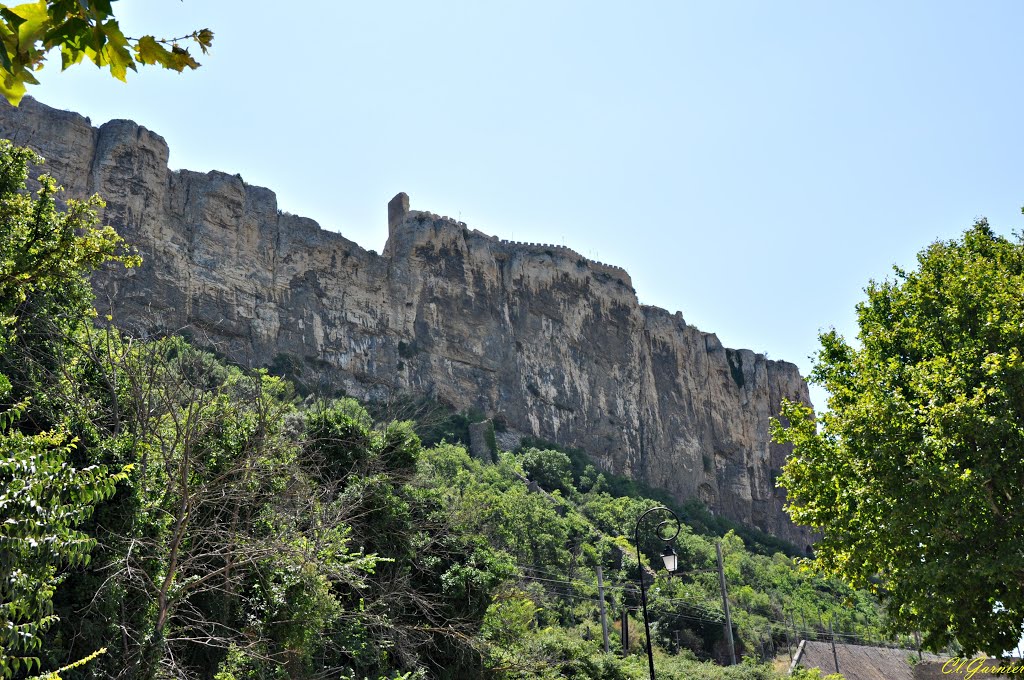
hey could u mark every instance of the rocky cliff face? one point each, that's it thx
(556, 344)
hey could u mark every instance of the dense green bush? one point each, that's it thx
(552, 470)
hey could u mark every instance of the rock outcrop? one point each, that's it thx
(551, 343)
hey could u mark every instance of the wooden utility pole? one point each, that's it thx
(600, 598)
(835, 657)
(725, 602)
(625, 631)
(789, 641)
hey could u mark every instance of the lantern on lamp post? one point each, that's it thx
(668, 556)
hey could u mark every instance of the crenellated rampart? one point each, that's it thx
(614, 271)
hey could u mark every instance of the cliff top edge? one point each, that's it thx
(401, 218)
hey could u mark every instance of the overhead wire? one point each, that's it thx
(700, 608)
(698, 612)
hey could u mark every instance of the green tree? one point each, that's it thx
(915, 474)
(45, 253)
(81, 29)
(42, 501)
(551, 469)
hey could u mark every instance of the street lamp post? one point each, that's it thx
(668, 556)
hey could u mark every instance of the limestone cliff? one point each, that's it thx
(556, 344)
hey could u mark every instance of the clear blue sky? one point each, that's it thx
(751, 164)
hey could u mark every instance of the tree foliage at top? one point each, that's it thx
(915, 474)
(81, 29)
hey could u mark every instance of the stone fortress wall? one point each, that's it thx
(564, 251)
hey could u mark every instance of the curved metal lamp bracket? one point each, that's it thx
(661, 530)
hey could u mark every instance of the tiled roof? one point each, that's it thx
(858, 662)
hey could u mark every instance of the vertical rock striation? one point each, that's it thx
(553, 343)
